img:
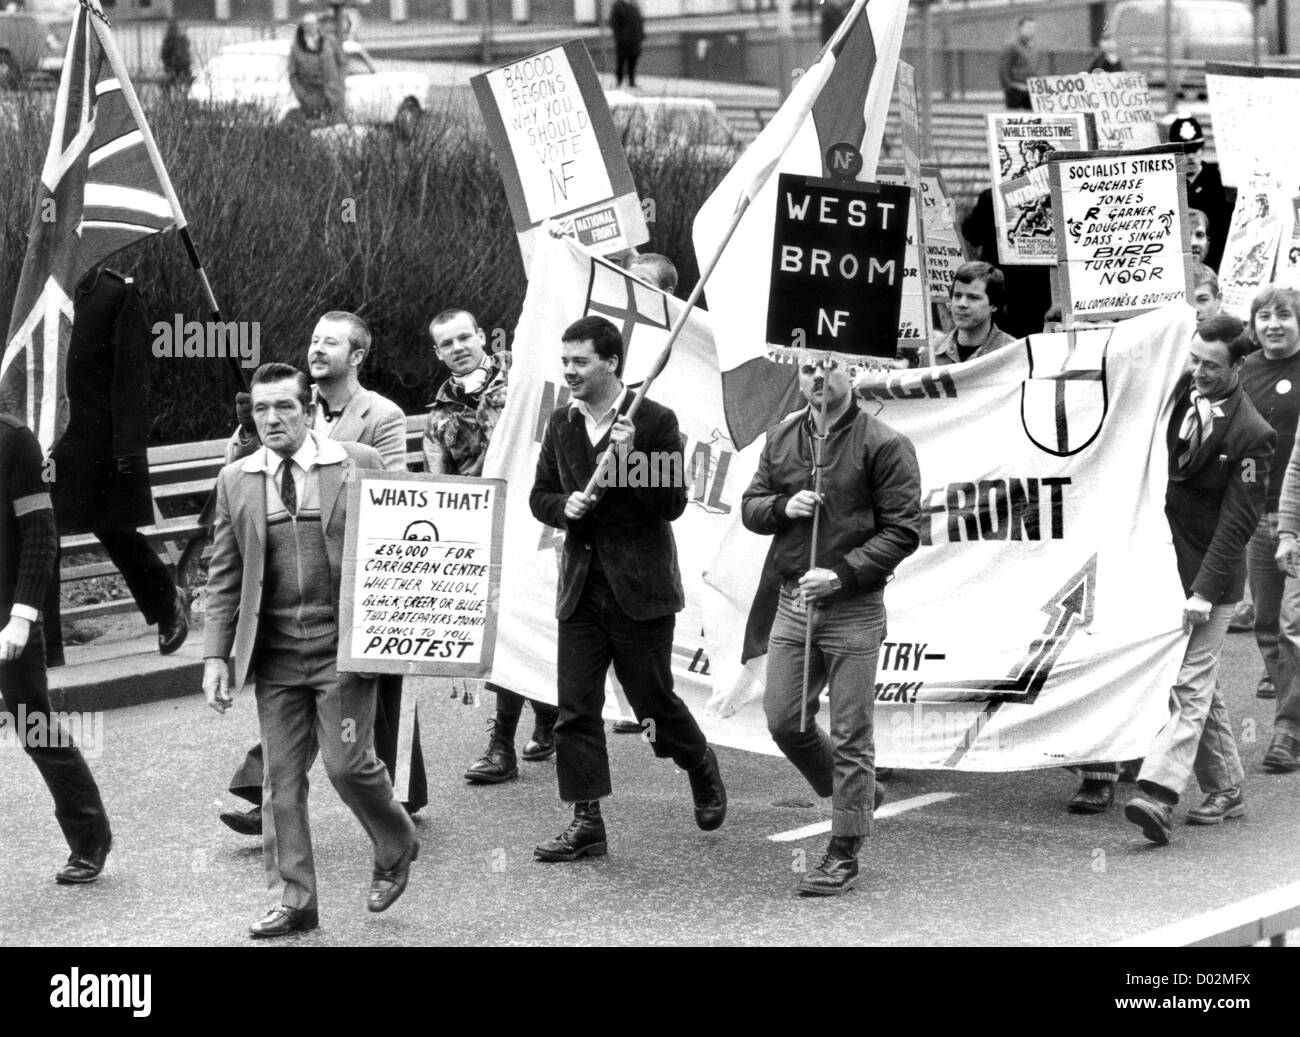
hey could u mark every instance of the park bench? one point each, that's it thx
(181, 476)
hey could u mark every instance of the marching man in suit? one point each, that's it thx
(273, 598)
(1219, 454)
(619, 590)
(349, 414)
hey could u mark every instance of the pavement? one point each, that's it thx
(955, 859)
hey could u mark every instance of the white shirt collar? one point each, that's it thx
(581, 407)
(315, 450)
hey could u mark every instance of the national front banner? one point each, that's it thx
(1037, 625)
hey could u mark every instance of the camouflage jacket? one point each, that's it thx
(460, 423)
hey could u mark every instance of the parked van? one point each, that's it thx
(33, 35)
(1203, 30)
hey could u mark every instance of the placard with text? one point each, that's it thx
(558, 151)
(837, 267)
(1118, 105)
(1020, 147)
(1121, 222)
(421, 574)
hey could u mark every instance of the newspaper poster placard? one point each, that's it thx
(1118, 104)
(421, 574)
(1253, 112)
(1019, 149)
(942, 247)
(1253, 237)
(558, 151)
(1121, 220)
(1288, 257)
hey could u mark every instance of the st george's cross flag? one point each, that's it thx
(99, 192)
(842, 99)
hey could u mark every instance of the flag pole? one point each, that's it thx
(103, 31)
(819, 454)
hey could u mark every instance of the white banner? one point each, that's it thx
(1038, 625)
(1261, 221)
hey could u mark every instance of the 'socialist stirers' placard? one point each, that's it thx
(421, 573)
(558, 151)
(1121, 221)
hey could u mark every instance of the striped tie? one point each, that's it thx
(1198, 423)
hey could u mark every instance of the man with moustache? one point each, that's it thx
(619, 589)
(456, 437)
(870, 522)
(1219, 454)
(346, 413)
(273, 600)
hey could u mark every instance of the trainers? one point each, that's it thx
(1218, 807)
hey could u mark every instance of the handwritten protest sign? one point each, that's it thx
(421, 572)
(558, 151)
(909, 121)
(1118, 105)
(942, 247)
(837, 267)
(1288, 258)
(1251, 250)
(1121, 221)
(1019, 148)
(1253, 111)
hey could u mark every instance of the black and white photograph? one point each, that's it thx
(642, 474)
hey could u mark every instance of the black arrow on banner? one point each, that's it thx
(1070, 608)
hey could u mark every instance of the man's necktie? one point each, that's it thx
(1198, 422)
(288, 490)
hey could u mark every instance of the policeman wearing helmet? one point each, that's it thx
(1205, 190)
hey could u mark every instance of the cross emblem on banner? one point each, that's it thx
(639, 311)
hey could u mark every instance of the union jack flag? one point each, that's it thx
(99, 192)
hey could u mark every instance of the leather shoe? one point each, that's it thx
(1283, 754)
(82, 868)
(708, 792)
(282, 920)
(1155, 819)
(542, 745)
(585, 836)
(627, 727)
(390, 883)
(174, 627)
(245, 822)
(1266, 688)
(498, 763)
(1092, 797)
(1218, 807)
(838, 871)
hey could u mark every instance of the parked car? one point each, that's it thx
(258, 74)
(1203, 30)
(32, 41)
(673, 122)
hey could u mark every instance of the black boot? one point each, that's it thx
(542, 745)
(498, 763)
(838, 871)
(585, 836)
(709, 794)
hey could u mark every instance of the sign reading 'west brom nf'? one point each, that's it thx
(1121, 223)
(558, 151)
(421, 574)
(837, 267)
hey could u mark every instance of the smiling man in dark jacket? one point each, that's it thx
(870, 522)
(1219, 453)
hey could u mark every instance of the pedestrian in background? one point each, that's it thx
(628, 26)
(1106, 59)
(1020, 63)
(178, 68)
(316, 71)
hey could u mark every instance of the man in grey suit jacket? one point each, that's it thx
(272, 598)
(347, 413)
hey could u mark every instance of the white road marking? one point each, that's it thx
(888, 810)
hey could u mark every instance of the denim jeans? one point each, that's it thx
(600, 632)
(845, 647)
(1197, 737)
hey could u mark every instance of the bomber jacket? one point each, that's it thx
(871, 489)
